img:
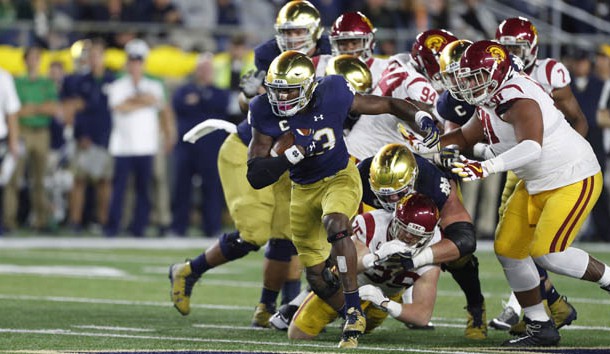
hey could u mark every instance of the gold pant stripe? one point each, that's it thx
(574, 216)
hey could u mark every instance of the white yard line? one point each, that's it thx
(110, 328)
(227, 341)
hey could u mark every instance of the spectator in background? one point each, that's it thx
(135, 102)
(92, 164)
(9, 129)
(229, 67)
(228, 15)
(587, 89)
(473, 20)
(379, 13)
(196, 101)
(38, 97)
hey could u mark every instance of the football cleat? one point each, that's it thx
(607, 288)
(283, 316)
(476, 326)
(182, 280)
(505, 320)
(355, 324)
(561, 311)
(537, 334)
(261, 316)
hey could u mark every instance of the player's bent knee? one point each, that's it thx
(324, 284)
(234, 247)
(295, 333)
(462, 234)
(280, 250)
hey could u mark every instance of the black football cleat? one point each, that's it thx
(537, 334)
(283, 316)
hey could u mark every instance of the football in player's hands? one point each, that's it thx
(282, 143)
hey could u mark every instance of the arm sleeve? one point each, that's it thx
(519, 155)
(264, 171)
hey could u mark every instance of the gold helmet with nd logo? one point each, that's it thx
(290, 83)
(298, 26)
(393, 174)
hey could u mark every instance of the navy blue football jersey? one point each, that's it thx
(265, 53)
(325, 114)
(431, 181)
(454, 110)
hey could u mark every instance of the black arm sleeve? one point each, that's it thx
(264, 171)
(463, 235)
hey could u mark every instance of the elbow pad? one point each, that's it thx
(463, 235)
(264, 171)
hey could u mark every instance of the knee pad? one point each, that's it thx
(325, 284)
(234, 247)
(280, 250)
(520, 273)
(338, 236)
(572, 262)
(463, 235)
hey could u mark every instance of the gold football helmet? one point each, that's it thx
(449, 63)
(353, 69)
(393, 174)
(288, 73)
(295, 17)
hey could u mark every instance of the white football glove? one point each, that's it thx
(250, 82)
(384, 252)
(374, 295)
(471, 170)
(378, 299)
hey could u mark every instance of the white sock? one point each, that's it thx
(605, 279)
(536, 313)
(514, 303)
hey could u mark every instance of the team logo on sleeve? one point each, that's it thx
(496, 52)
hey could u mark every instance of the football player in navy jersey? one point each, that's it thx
(297, 27)
(394, 172)
(326, 188)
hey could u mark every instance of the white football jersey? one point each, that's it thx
(551, 74)
(376, 66)
(566, 156)
(371, 133)
(372, 229)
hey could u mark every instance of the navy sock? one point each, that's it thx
(269, 297)
(290, 290)
(342, 312)
(552, 295)
(352, 299)
(200, 265)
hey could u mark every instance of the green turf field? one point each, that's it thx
(100, 298)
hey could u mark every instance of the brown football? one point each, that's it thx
(282, 143)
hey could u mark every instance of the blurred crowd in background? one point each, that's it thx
(188, 56)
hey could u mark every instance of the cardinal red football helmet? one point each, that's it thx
(484, 66)
(353, 26)
(415, 220)
(426, 51)
(520, 38)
